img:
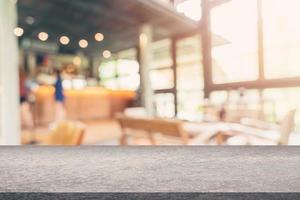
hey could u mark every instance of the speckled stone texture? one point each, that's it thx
(152, 196)
(213, 170)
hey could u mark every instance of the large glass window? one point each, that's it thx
(165, 105)
(161, 74)
(162, 77)
(281, 38)
(235, 54)
(238, 104)
(121, 72)
(190, 82)
(108, 74)
(250, 98)
(161, 54)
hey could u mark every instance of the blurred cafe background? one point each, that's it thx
(149, 72)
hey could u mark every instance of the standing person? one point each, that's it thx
(60, 113)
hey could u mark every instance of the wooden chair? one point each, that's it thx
(287, 127)
(64, 133)
(152, 127)
(67, 133)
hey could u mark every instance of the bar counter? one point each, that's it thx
(147, 169)
(92, 103)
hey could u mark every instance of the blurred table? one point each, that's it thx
(205, 130)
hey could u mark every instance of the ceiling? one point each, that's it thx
(118, 20)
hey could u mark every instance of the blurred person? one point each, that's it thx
(242, 101)
(222, 113)
(25, 111)
(60, 113)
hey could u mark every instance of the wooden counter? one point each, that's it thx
(88, 104)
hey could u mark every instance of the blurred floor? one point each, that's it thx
(102, 132)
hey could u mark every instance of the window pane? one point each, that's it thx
(108, 70)
(131, 82)
(165, 105)
(218, 97)
(161, 54)
(162, 79)
(110, 84)
(281, 38)
(189, 64)
(249, 98)
(189, 50)
(190, 105)
(121, 73)
(128, 72)
(190, 81)
(127, 67)
(235, 57)
(189, 77)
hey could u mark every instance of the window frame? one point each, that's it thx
(262, 82)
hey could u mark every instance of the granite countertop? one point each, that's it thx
(150, 169)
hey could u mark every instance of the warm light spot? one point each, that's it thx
(43, 36)
(64, 40)
(77, 61)
(83, 44)
(18, 31)
(106, 54)
(99, 37)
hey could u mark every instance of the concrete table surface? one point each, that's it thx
(150, 169)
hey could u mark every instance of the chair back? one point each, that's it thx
(67, 133)
(165, 127)
(287, 127)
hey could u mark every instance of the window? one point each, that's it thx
(190, 82)
(281, 38)
(122, 72)
(128, 72)
(162, 78)
(238, 104)
(219, 98)
(250, 97)
(235, 39)
(165, 105)
(161, 54)
(190, 105)
(108, 74)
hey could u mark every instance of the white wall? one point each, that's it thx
(9, 92)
